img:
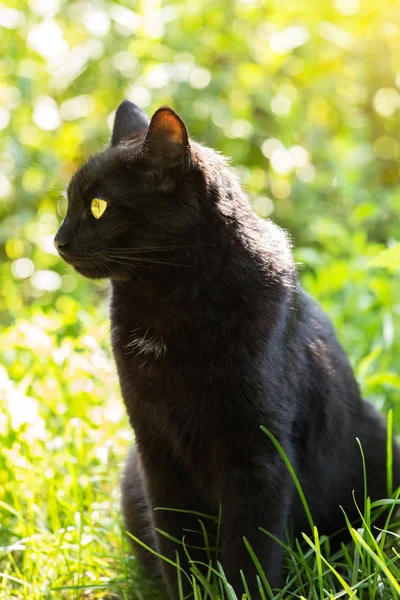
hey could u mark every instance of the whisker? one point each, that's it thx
(113, 254)
(133, 259)
(149, 248)
(125, 260)
(128, 267)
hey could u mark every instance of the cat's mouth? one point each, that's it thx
(90, 267)
(85, 267)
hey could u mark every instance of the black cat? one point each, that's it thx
(213, 337)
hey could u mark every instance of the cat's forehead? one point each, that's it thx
(104, 167)
(84, 179)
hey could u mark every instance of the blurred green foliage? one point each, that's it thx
(304, 96)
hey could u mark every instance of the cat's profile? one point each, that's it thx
(213, 337)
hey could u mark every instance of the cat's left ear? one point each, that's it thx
(129, 120)
(167, 141)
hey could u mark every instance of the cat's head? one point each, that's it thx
(135, 199)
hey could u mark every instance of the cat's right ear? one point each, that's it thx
(167, 141)
(129, 120)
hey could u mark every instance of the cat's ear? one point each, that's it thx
(129, 120)
(167, 141)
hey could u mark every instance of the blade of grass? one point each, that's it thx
(259, 568)
(188, 512)
(179, 576)
(246, 589)
(389, 453)
(228, 588)
(319, 563)
(164, 558)
(292, 473)
(260, 588)
(351, 593)
(394, 585)
(364, 473)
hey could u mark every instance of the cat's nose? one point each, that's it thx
(63, 238)
(61, 245)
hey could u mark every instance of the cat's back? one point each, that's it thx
(328, 368)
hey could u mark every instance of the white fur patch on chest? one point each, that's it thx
(147, 346)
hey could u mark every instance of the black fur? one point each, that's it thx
(129, 119)
(213, 336)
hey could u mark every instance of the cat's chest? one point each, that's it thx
(155, 374)
(144, 357)
(184, 381)
(171, 389)
(176, 407)
(144, 346)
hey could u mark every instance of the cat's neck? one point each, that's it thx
(165, 296)
(221, 290)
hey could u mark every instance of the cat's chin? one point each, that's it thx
(90, 272)
(95, 272)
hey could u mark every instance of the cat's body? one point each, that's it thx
(214, 337)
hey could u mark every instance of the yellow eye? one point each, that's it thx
(97, 207)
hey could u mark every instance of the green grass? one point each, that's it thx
(64, 437)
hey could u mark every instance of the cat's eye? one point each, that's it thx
(97, 207)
